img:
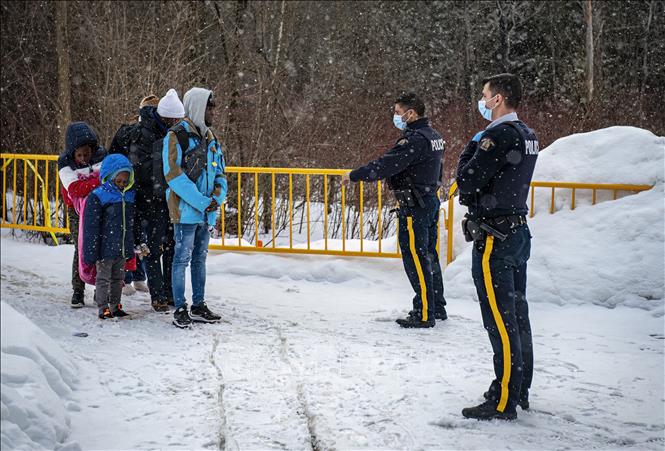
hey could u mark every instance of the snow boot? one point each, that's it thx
(181, 318)
(487, 411)
(77, 299)
(202, 314)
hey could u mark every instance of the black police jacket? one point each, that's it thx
(416, 157)
(494, 173)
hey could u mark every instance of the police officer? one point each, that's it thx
(493, 175)
(413, 169)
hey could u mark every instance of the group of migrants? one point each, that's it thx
(150, 202)
(177, 169)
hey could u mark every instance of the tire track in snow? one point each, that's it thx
(261, 400)
(311, 428)
(223, 430)
(381, 418)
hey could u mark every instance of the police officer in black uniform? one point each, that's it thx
(493, 175)
(413, 169)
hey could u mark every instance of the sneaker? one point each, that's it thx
(415, 323)
(181, 318)
(105, 313)
(159, 306)
(487, 411)
(118, 312)
(128, 290)
(202, 314)
(77, 299)
(140, 285)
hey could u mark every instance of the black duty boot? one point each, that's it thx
(202, 314)
(523, 399)
(487, 411)
(412, 322)
(77, 299)
(181, 318)
(441, 314)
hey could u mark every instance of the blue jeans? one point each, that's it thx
(191, 244)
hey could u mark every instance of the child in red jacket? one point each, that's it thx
(78, 169)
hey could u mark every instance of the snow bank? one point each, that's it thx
(37, 382)
(611, 155)
(609, 254)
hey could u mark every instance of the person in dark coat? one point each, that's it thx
(143, 146)
(494, 175)
(78, 170)
(413, 168)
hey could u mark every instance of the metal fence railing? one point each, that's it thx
(280, 210)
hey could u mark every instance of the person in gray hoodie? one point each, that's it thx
(196, 188)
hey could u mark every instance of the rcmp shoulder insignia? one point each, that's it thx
(487, 144)
(402, 142)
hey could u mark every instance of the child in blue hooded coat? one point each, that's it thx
(108, 232)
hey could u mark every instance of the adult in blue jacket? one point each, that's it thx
(196, 188)
(108, 232)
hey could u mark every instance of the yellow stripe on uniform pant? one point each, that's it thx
(419, 269)
(505, 342)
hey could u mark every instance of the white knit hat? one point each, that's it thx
(170, 105)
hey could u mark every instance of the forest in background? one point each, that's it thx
(312, 84)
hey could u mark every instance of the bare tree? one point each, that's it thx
(588, 20)
(62, 50)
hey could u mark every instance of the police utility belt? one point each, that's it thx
(409, 197)
(499, 227)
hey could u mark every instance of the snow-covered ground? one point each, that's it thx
(308, 355)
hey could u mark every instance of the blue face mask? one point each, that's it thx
(399, 122)
(484, 111)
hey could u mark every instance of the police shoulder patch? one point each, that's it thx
(487, 144)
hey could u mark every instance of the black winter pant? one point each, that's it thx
(159, 230)
(499, 273)
(418, 230)
(77, 284)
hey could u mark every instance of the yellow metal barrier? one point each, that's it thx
(43, 169)
(324, 177)
(574, 187)
(49, 212)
